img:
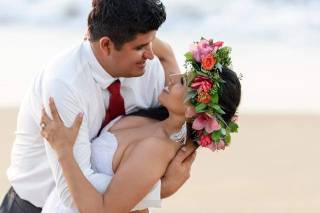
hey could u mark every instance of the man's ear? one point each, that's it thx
(105, 45)
(190, 111)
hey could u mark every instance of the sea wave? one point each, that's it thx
(293, 21)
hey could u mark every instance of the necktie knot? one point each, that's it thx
(116, 103)
(114, 88)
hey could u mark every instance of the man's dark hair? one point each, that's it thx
(122, 20)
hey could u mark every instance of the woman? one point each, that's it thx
(141, 152)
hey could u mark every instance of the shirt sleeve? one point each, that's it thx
(69, 105)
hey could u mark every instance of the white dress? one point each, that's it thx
(102, 152)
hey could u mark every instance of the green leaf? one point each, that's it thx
(215, 136)
(215, 99)
(223, 56)
(233, 127)
(219, 67)
(227, 139)
(190, 76)
(218, 109)
(201, 107)
(189, 56)
(221, 119)
(202, 73)
(223, 131)
(191, 94)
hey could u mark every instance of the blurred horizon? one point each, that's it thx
(275, 44)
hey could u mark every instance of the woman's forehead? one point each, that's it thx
(175, 78)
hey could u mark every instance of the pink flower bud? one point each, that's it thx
(221, 145)
(218, 44)
(235, 119)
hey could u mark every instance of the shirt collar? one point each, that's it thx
(100, 75)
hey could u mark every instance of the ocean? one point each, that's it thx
(275, 44)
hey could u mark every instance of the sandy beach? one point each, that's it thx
(270, 167)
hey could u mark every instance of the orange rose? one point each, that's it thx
(208, 62)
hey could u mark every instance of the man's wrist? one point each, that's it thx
(166, 190)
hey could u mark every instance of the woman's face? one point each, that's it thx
(173, 96)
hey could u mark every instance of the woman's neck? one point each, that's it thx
(173, 124)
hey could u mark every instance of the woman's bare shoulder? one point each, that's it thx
(158, 145)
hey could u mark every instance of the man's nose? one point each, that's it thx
(148, 53)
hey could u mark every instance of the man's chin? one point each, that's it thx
(139, 72)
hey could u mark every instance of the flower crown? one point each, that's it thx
(204, 63)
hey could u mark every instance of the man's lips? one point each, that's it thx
(142, 64)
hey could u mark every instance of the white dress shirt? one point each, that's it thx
(77, 83)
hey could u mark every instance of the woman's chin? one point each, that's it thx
(161, 100)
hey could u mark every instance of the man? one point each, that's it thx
(119, 55)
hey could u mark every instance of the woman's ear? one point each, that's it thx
(190, 111)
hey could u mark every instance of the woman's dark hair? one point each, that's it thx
(230, 93)
(122, 20)
(157, 113)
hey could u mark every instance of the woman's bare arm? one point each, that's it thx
(141, 167)
(166, 56)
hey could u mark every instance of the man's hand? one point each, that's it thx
(60, 137)
(178, 171)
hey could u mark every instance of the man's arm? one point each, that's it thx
(68, 105)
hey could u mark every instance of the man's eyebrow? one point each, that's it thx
(142, 45)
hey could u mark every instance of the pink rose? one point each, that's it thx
(201, 49)
(202, 83)
(207, 122)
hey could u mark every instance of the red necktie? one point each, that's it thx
(116, 103)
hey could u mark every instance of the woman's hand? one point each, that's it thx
(60, 137)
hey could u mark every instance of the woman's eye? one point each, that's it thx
(183, 81)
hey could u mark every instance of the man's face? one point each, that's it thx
(130, 61)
